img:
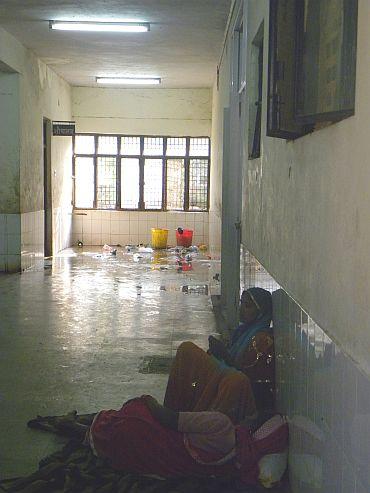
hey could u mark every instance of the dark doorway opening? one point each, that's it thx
(48, 208)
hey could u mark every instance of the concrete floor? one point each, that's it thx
(74, 334)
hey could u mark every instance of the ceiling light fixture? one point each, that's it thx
(117, 27)
(128, 80)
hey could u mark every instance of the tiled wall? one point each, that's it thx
(10, 242)
(32, 243)
(62, 228)
(325, 395)
(214, 234)
(122, 227)
(32, 230)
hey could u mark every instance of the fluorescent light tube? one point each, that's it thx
(128, 80)
(117, 27)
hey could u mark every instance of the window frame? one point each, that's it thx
(280, 124)
(295, 124)
(258, 43)
(329, 116)
(142, 157)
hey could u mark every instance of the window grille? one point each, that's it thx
(106, 183)
(130, 146)
(153, 183)
(107, 145)
(84, 182)
(198, 184)
(176, 146)
(141, 172)
(199, 147)
(153, 146)
(175, 184)
(130, 183)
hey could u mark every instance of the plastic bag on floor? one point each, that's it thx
(271, 469)
(145, 250)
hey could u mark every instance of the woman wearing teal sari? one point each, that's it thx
(226, 377)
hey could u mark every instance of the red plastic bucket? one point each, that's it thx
(185, 238)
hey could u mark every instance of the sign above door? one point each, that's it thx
(64, 129)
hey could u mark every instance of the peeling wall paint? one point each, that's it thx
(39, 94)
(306, 209)
(43, 94)
(9, 143)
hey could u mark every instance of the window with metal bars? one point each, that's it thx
(141, 172)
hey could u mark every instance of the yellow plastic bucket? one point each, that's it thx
(159, 238)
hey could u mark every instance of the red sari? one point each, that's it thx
(135, 442)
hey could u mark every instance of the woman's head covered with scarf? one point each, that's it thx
(255, 305)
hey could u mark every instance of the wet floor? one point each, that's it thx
(89, 331)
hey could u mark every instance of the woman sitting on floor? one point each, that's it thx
(146, 438)
(226, 378)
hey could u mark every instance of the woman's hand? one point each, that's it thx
(218, 348)
(165, 416)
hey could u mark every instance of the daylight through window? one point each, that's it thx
(141, 172)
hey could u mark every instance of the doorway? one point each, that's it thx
(48, 208)
(234, 118)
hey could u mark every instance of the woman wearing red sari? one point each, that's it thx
(144, 437)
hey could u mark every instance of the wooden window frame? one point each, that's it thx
(329, 116)
(299, 124)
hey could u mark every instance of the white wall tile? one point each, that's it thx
(139, 224)
(172, 226)
(143, 228)
(3, 244)
(96, 239)
(105, 238)
(125, 240)
(87, 239)
(2, 223)
(77, 224)
(86, 225)
(105, 226)
(114, 227)
(13, 244)
(13, 263)
(96, 226)
(105, 215)
(134, 227)
(134, 215)
(134, 239)
(180, 217)
(198, 229)
(13, 224)
(152, 220)
(124, 227)
(189, 220)
(115, 239)
(162, 218)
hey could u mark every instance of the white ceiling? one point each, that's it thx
(182, 46)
